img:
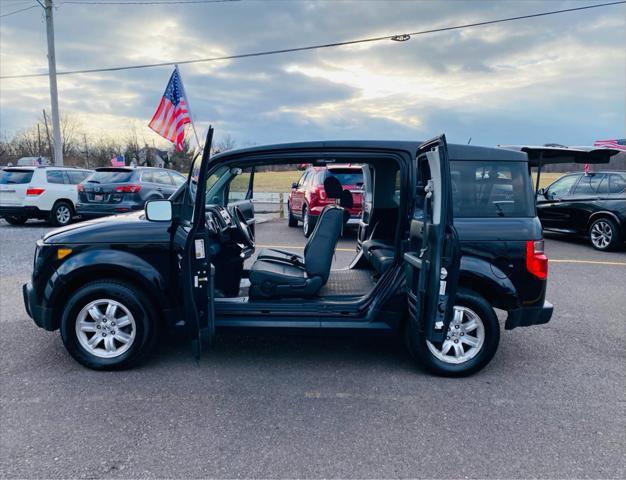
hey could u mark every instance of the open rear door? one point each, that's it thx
(432, 262)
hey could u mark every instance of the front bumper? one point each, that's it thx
(525, 317)
(41, 315)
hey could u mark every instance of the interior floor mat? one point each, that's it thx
(348, 282)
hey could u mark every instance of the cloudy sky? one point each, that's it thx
(552, 79)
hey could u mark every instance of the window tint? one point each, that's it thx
(161, 177)
(306, 180)
(347, 176)
(491, 189)
(15, 176)
(111, 176)
(561, 187)
(588, 184)
(55, 176)
(147, 176)
(617, 183)
(77, 176)
(178, 179)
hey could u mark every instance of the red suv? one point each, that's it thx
(308, 198)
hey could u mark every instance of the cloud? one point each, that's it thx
(557, 78)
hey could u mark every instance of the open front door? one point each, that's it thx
(432, 262)
(192, 256)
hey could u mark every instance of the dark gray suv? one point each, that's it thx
(113, 190)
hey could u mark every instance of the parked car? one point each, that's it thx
(46, 193)
(587, 204)
(114, 190)
(307, 198)
(426, 264)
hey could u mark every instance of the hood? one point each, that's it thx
(127, 228)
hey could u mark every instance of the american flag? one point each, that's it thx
(172, 114)
(616, 144)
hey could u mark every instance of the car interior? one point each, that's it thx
(244, 274)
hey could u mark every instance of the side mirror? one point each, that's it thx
(159, 210)
(294, 185)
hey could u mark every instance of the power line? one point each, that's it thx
(138, 2)
(396, 37)
(18, 11)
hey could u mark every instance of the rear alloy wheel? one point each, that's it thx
(307, 222)
(293, 221)
(108, 325)
(604, 234)
(471, 341)
(61, 214)
(13, 220)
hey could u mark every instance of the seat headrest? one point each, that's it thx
(346, 200)
(332, 187)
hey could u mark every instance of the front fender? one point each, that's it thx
(94, 263)
(489, 281)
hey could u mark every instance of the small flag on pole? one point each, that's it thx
(118, 161)
(172, 114)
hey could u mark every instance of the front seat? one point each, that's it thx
(280, 274)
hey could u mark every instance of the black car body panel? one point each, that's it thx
(139, 251)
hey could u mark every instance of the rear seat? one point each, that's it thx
(379, 253)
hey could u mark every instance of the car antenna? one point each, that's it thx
(469, 141)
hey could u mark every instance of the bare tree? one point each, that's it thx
(227, 142)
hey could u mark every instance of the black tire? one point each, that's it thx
(14, 220)
(604, 234)
(418, 346)
(308, 222)
(61, 214)
(146, 324)
(293, 221)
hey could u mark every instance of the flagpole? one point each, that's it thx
(193, 125)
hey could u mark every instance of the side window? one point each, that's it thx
(55, 176)
(76, 177)
(617, 183)
(588, 184)
(147, 176)
(177, 179)
(304, 181)
(561, 187)
(241, 187)
(162, 177)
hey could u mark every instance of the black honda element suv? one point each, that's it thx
(448, 233)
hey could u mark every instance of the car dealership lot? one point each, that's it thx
(550, 404)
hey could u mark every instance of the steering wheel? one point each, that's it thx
(243, 227)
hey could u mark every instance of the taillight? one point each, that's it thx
(80, 187)
(536, 260)
(128, 188)
(33, 192)
(322, 193)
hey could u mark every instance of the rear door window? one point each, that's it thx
(588, 184)
(561, 187)
(14, 176)
(177, 178)
(162, 177)
(111, 176)
(56, 176)
(491, 189)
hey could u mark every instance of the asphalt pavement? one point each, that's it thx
(550, 404)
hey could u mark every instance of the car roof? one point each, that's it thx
(43, 167)
(455, 151)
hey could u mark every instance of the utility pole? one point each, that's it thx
(54, 97)
(45, 119)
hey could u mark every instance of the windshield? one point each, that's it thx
(491, 189)
(15, 176)
(111, 176)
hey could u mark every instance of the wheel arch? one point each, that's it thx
(89, 266)
(63, 199)
(602, 214)
(488, 281)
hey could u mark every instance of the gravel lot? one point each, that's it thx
(550, 404)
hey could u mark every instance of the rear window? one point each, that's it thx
(491, 189)
(111, 176)
(16, 176)
(347, 176)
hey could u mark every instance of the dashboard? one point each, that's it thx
(218, 219)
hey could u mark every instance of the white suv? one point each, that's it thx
(47, 193)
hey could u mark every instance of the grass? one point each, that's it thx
(281, 181)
